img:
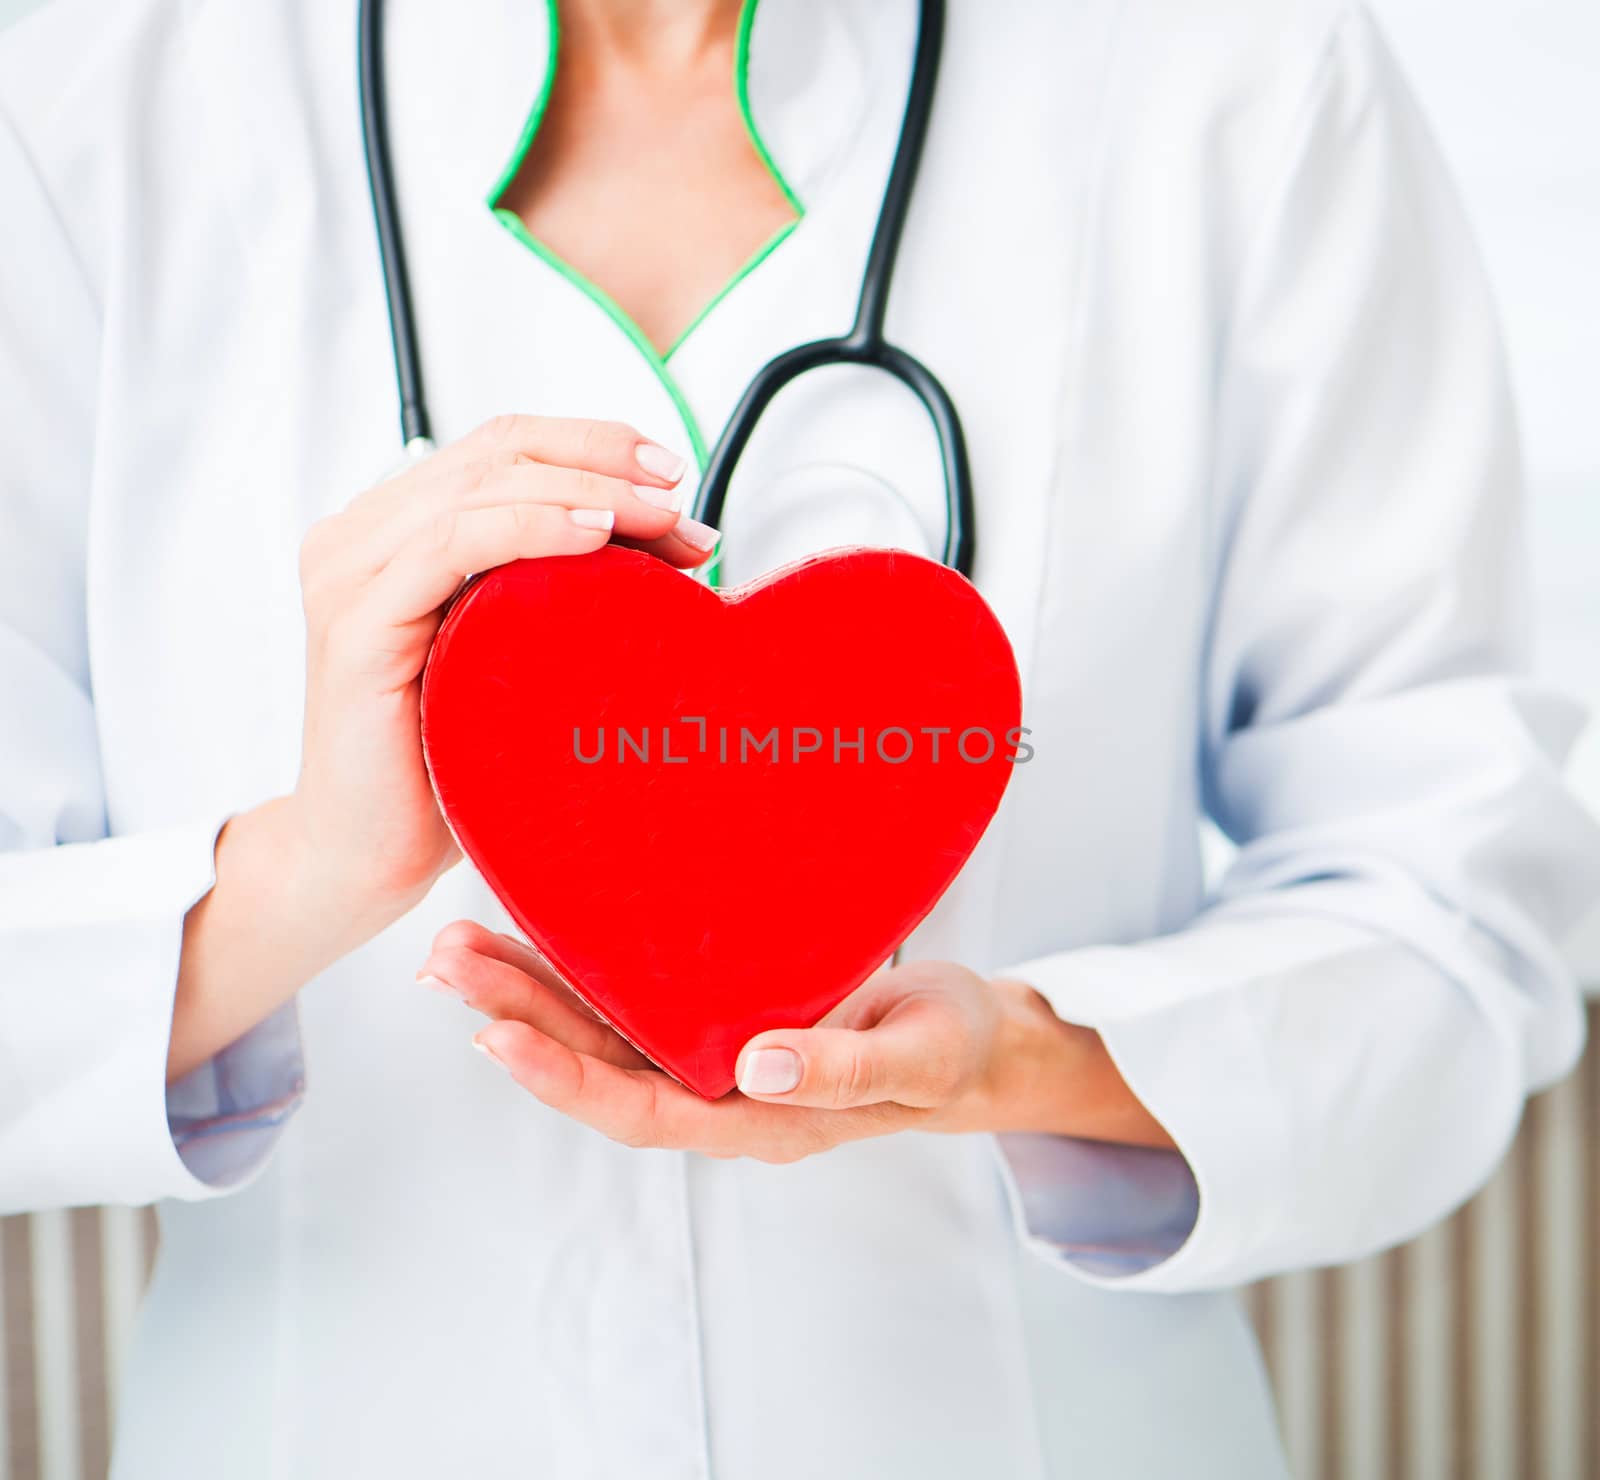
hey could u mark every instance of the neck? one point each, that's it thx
(649, 33)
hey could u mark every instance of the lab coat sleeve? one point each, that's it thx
(1342, 1041)
(90, 925)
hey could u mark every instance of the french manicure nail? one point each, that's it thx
(670, 499)
(486, 1051)
(693, 532)
(769, 1071)
(433, 982)
(659, 462)
(593, 518)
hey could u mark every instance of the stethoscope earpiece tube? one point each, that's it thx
(415, 431)
(879, 274)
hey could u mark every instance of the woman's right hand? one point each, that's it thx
(303, 879)
(375, 579)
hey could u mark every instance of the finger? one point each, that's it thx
(689, 543)
(468, 935)
(426, 572)
(469, 938)
(647, 518)
(915, 1057)
(637, 1107)
(644, 1107)
(502, 991)
(610, 447)
(642, 512)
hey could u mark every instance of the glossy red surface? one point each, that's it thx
(695, 900)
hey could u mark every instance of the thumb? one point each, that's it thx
(908, 1059)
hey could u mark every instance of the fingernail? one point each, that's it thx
(593, 518)
(487, 1052)
(693, 532)
(660, 463)
(769, 1071)
(435, 984)
(670, 499)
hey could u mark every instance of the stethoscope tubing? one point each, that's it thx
(415, 430)
(960, 541)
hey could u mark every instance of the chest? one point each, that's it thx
(647, 181)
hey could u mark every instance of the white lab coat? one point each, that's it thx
(1247, 484)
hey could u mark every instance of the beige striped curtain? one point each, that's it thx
(1472, 1354)
(69, 1286)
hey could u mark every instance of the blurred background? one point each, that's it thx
(1472, 1354)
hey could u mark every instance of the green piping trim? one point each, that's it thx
(614, 310)
(741, 87)
(765, 250)
(536, 114)
(623, 320)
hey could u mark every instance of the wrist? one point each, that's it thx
(332, 907)
(1042, 1066)
(264, 928)
(1059, 1078)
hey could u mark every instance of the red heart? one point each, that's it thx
(694, 900)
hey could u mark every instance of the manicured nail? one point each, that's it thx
(593, 518)
(660, 463)
(487, 1052)
(670, 499)
(693, 532)
(434, 983)
(769, 1071)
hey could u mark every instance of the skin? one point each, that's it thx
(307, 878)
(642, 175)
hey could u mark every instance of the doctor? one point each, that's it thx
(1247, 504)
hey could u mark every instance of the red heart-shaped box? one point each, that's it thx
(718, 812)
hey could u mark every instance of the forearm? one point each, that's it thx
(270, 923)
(1057, 1077)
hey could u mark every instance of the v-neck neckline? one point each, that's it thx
(658, 360)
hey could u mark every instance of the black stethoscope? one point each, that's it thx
(863, 345)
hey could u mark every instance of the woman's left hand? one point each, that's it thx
(926, 1046)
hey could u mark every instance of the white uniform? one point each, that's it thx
(1247, 487)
